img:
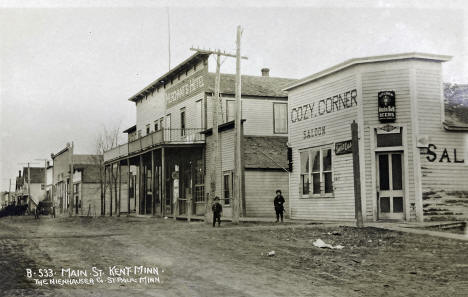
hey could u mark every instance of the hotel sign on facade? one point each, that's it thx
(186, 88)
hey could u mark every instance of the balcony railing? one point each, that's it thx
(163, 136)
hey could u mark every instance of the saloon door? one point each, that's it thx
(390, 198)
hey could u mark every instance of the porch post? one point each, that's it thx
(110, 187)
(163, 181)
(140, 185)
(128, 186)
(190, 197)
(103, 201)
(120, 188)
(153, 185)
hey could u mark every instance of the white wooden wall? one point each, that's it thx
(391, 76)
(337, 128)
(444, 184)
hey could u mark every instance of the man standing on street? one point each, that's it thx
(279, 208)
(217, 210)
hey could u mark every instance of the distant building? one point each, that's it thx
(85, 182)
(30, 187)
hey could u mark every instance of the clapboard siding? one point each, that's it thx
(444, 184)
(337, 128)
(153, 106)
(260, 187)
(258, 114)
(386, 77)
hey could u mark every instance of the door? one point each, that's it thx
(167, 128)
(390, 198)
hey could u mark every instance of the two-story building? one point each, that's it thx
(30, 186)
(412, 145)
(86, 181)
(168, 150)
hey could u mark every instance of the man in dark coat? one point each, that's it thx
(217, 209)
(279, 208)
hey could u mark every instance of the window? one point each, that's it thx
(227, 186)
(305, 172)
(280, 114)
(148, 129)
(156, 125)
(230, 110)
(139, 133)
(316, 172)
(161, 123)
(182, 121)
(76, 188)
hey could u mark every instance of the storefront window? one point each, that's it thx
(316, 165)
(305, 172)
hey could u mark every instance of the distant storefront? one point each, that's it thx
(411, 143)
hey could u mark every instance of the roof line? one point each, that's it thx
(161, 79)
(365, 60)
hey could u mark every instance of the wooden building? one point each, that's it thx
(169, 150)
(412, 164)
(86, 182)
(30, 187)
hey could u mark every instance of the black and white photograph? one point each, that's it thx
(234, 148)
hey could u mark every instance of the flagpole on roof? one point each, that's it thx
(169, 35)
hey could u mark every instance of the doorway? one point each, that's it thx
(390, 198)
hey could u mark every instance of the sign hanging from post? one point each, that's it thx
(386, 107)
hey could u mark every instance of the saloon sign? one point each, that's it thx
(386, 106)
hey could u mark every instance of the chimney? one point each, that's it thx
(266, 72)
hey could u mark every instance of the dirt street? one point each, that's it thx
(198, 260)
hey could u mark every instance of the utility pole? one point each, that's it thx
(238, 152)
(357, 174)
(70, 186)
(216, 169)
(29, 183)
(9, 192)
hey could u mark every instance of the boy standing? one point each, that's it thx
(217, 209)
(279, 208)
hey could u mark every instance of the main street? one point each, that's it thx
(197, 260)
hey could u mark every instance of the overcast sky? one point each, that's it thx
(66, 71)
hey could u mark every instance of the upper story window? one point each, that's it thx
(139, 133)
(161, 123)
(280, 118)
(182, 121)
(148, 129)
(316, 172)
(156, 125)
(230, 110)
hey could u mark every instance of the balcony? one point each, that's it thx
(163, 136)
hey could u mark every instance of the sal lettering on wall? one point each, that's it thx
(444, 155)
(387, 110)
(324, 106)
